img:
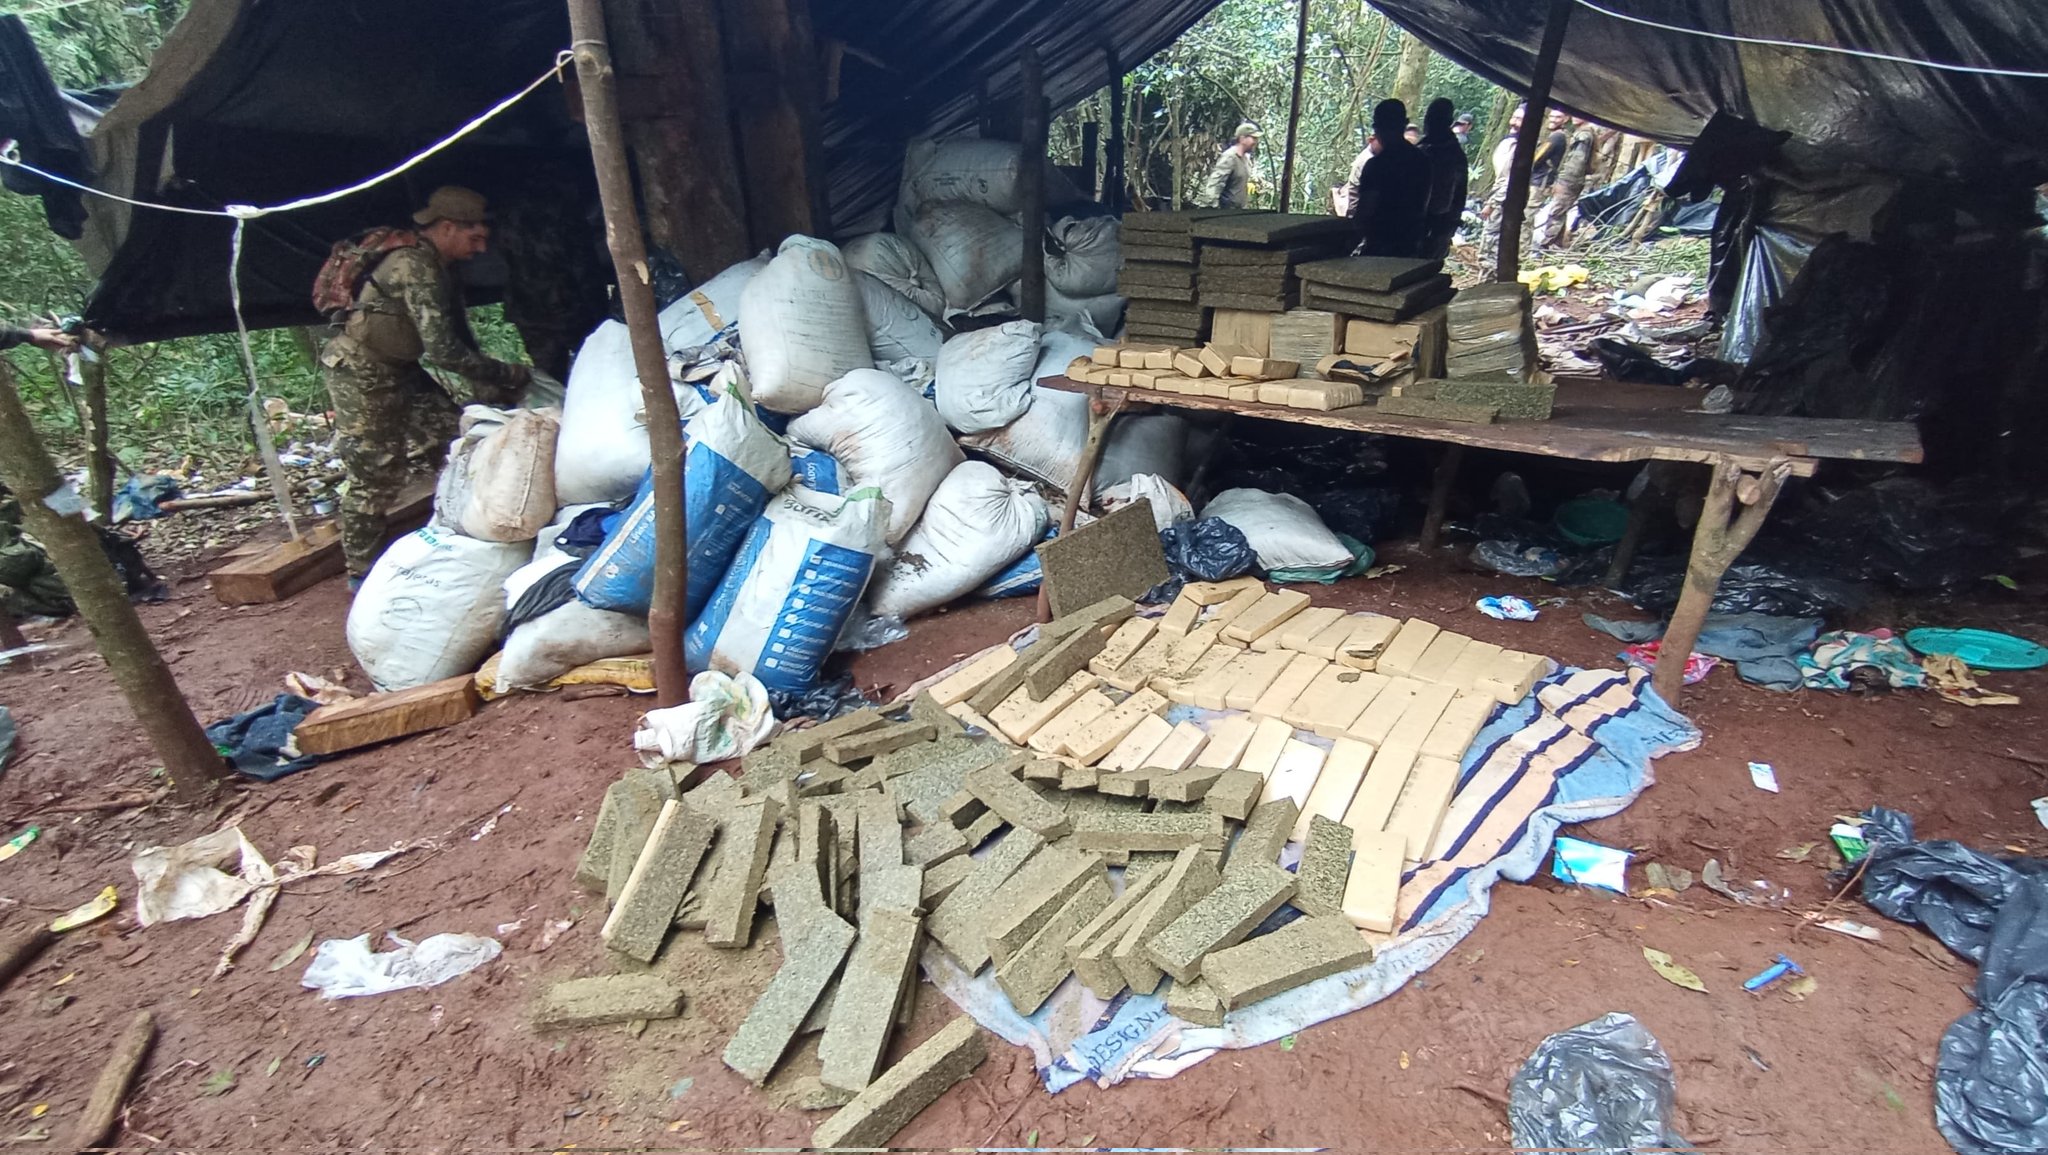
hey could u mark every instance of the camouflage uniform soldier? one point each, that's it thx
(408, 310)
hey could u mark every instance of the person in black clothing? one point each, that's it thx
(1447, 179)
(1543, 169)
(54, 340)
(1393, 191)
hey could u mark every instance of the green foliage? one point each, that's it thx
(1237, 64)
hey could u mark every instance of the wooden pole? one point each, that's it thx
(1031, 183)
(1723, 533)
(20, 950)
(52, 512)
(1294, 108)
(99, 458)
(1516, 204)
(1091, 151)
(1113, 153)
(101, 1110)
(665, 616)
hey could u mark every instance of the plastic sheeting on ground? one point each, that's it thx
(1580, 748)
(1765, 649)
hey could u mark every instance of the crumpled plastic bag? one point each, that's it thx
(1991, 1074)
(348, 968)
(726, 716)
(1169, 505)
(1602, 1086)
(184, 881)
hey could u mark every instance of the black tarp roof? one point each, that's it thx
(258, 101)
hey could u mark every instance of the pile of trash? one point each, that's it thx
(866, 439)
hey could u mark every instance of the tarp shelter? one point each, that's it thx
(257, 103)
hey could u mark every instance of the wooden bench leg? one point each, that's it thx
(1440, 493)
(1723, 533)
(1100, 414)
(1641, 508)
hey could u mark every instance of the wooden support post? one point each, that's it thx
(1516, 204)
(1091, 151)
(99, 458)
(1031, 183)
(1100, 414)
(1723, 533)
(1294, 107)
(1113, 153)
(53, 513)
(772, 73)
(1440, 493)
(680, 129)
(1656, 481)
(665, 616)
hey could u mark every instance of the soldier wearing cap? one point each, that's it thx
(1230, 182)
(409, 310)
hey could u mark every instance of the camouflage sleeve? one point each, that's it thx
(1218, 182)
(416, 279)
(10, 336)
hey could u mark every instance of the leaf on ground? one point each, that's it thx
(1802, 986)
(271, 1070)
(1797, 853)
(2005, 581)
(1031, 1140)
(290, 954)
(1671, 972)
(1287, 1042)
(219, 1083)
(1892, 1100)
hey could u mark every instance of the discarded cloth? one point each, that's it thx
(551, 591)
(258, 742)
(726, 716)
(587, 531)
(1839, 653)
(348, 968)
(1579, 749)
(1991, 1075)
(1764, 648)
(1645, 654)
(142, 497)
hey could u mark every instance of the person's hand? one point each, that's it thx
(54, 340)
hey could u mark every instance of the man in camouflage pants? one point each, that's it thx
(409, 310)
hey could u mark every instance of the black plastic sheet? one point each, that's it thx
(1991, 1076)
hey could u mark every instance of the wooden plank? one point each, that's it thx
(382, 717)
(1587, 426)
(278, 572)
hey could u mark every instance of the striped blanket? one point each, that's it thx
(1578, 748)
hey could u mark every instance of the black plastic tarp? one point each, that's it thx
(1853, 111)
(258, 102)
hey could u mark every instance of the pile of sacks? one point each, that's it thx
(828, 418)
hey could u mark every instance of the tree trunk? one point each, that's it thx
(666, 614)
(1180, 147)
(1410, 77)
(99, 459)
(195, 768)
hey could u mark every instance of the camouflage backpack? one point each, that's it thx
(350, 263)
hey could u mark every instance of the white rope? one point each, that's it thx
(259, 425)
(10, 154)
(1978, 70)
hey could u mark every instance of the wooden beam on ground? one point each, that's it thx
(382, 717)
(1516, 204)
(262, 574)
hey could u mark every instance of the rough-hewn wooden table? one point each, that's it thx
(1749, 459)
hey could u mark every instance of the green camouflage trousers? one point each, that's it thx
(378, 405)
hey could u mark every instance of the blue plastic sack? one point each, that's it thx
(733, 466)
(814, 468)
(1020, 577)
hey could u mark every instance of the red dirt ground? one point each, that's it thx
(459, 1065)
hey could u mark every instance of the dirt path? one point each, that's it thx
(253, 1061)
